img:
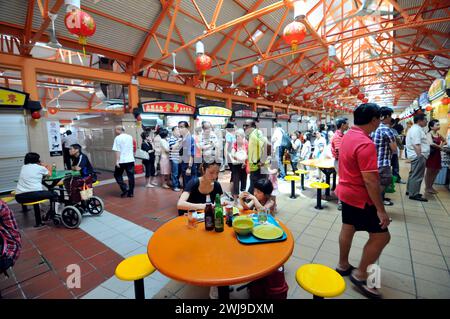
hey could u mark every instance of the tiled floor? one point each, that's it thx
(415, 264)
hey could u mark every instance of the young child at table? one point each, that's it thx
(263, 197)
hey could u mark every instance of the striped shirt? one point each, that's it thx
(336, 143)
(174, 154)
(382, 137)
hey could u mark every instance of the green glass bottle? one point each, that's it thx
(218, 215)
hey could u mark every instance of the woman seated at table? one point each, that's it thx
(30, 188)
(195, 192)
(262, 199)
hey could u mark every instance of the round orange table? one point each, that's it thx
(207, 258)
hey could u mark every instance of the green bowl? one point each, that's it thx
(243, 226)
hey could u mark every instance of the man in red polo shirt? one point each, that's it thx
(359, 192)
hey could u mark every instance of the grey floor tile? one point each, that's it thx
(403, 266)
(101, 293)
(431, 290)
(427, 259)
(436, 275)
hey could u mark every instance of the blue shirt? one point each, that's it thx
(382, 137)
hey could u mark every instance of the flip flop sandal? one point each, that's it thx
(346, 272)
(388, 203)
(362, 286)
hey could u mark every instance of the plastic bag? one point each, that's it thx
(86, 192)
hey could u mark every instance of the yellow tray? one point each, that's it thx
(268, 231)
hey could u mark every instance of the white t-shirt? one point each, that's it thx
(277, 137)
(416, 135)
(69, 140)
(30, 179)
(123, 143)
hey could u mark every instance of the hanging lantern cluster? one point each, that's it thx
(354, 90)
(345, 82)
(203, 62)
(81, 24)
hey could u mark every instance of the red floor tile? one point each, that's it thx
(104, 258)
(12, 293)
(60, 292)
(40, 284)
(89, 282)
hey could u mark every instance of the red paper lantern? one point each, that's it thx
(52, 110)
(360, 96)
(365, 100)
(328, 67)
(203, 64)
(81, 24)
(306, 96)
(345, 82)
(354, 90)
(294, 33)
(445, 101)
(319, 100)
(428, 108)
(288, 90)
(330, 104)
(258, 80)
(36, 115)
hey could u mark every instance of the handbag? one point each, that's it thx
(142, 154)
(86, 192)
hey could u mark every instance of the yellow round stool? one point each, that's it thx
(292, 179)
(135, 268)
(8, 199)
(302, 173)
(319, 186)
(319, 280)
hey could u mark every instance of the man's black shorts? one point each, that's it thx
(362, 219)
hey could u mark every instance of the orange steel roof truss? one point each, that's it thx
(391, 54)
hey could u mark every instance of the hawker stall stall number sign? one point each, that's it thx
(283, 117)
(54, 139)
(14, 98)
(267, 115)
(215, 111)
(246, 113)
(437, 89)
(168, 108)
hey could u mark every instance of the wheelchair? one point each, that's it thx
(74, 206)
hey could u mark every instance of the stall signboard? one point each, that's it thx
(267, 115)
(296, 117)
(246, 114)
(423, 99)
(13, 98)
(54, 138)
(437, 89)
(215, 111)
(283, 117)
(166, 107)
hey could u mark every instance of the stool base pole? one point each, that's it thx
(139, 292)
(224, 292)
(37, 215)
(319, 200)
(317, 297)
(303, 181)
(293, 190)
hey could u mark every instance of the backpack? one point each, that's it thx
(273, 286)
(286, 142)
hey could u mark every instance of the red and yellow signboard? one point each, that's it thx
(10, 97)
(167, 108)
(437, 89)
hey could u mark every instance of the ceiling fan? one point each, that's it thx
(174, 71)
(368, 8)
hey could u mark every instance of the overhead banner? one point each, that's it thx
(215, 111)
(246, 113)
(13, 98)
(437, 89)
(267, 115)
(167, 107)
(54, 138)
(423, 99)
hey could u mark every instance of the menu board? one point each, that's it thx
(267, 115)
(283, 117)
(246, 113)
